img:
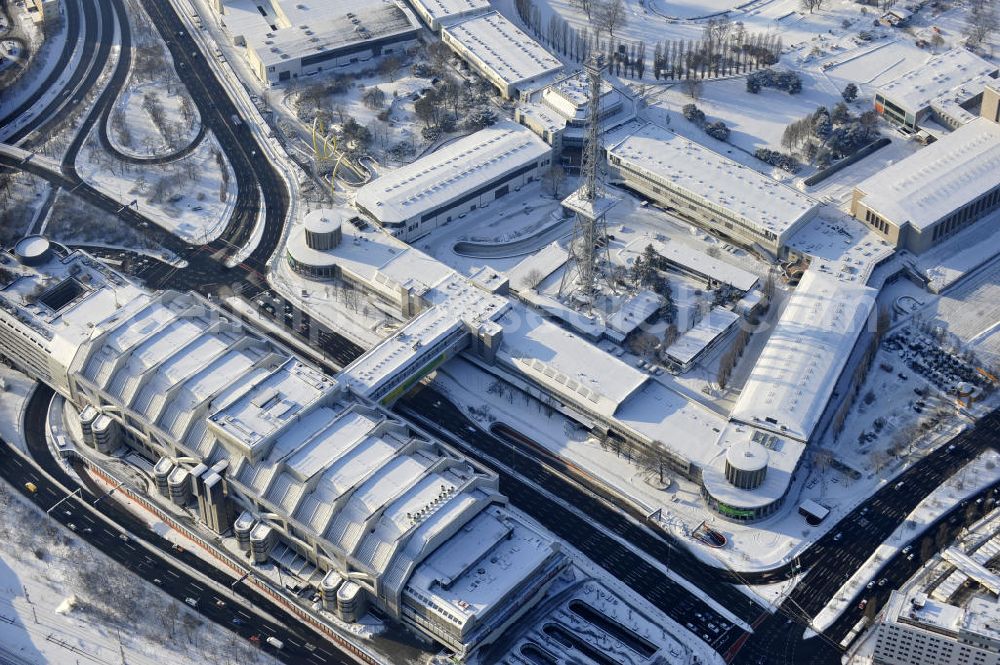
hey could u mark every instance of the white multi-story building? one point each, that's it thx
(946, 88)
(455, 180)
(710, 190)
(925, 199)
(285, 40)
(300, 465)
(501, 52)
(916, 630)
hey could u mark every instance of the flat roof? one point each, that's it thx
(450, 172)
(279, 30)
(660, 414)
(782, 455)
(721, 181)
(273, 403)
(566, 363)
(570, 96)
(941, 74)
(502, 48)
(444, 9)
(938, 179)
(795, 374)
(477, 567)
(692, 260)
(694, 341)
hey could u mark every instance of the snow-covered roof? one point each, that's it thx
(278, 30)
(940, 75)
(791, 383)
(441, 10)
(451, 172)
(570, 96)
(500, 47)
(691, 260)
(938, 179)
(762, 201)
(470, 572)
(703, 334)
(567, 364)
(66, 298)
(781, 455)
(634, 312)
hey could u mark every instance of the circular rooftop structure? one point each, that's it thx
(32, 250)
(323, 228)
(746, 464)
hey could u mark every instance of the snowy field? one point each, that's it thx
(192, 197)
(141, 107)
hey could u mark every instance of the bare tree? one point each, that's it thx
(610, 15)
(553, 179)
(693, 88)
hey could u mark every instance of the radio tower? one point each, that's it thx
(588, 202)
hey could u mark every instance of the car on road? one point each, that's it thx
(219, 602)
(907, 549)
(275, 642)
(238, 621)
(838, 537)
(193, 602)
(31, 487)
(72, 526)
(870, 585)
(157, 580)
(882, 582)
(909, 557)
(178, 549)
(863, 604)
(255, 639)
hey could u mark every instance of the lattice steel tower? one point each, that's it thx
(588, 202)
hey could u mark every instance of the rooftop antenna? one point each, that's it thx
(590, 203)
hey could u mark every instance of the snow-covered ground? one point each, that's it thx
(974, 476)
(16, 389)
(62, 601)
(192, 197)
(138, 106)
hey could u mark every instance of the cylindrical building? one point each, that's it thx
(746, 464)
(323, 229)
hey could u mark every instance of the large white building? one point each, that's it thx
(709, 189)
(285, 39)
(745, 465)
(916, 630)
(946, 88)
(501, 52)
(792, 381)
(923, 200)
(292, 460)
(455, 180)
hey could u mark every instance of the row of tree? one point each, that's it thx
(726, 48)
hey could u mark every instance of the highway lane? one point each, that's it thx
(74, 23)
(159, 564)
(832, 561)
(98, 38)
